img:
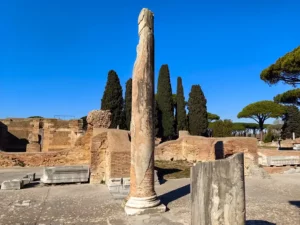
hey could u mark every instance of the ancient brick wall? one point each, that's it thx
(110, 154)
(53, 134)
(120, 164)
(60, 134)
(195, 148)
(15, 132)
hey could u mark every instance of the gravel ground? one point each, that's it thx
(268, 202)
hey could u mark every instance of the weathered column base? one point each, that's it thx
(148, 205)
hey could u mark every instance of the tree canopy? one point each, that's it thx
(289, 97)
(286, 69)
(128, 101)
(211, 117)
(180, 106)
(261, 111)
(197, 117)
(291, 122)
(222, 128)
(112, 98)
(165, 102)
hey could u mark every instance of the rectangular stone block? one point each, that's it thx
(218, 192)
(283, 160)
(15, 184)
(296, 147)
(26, 181)
(125, 190)
(126, 181)
(31, 176)
(65, 174)
(114, 185)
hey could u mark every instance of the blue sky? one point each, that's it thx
(55, 54)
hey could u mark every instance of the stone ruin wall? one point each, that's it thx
(51, 134)
(14, 134)
(108, 150)
(196, 148)
(60, 134)
(110, 154)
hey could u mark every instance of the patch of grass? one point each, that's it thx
(173, 169)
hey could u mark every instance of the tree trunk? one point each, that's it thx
(261, 128)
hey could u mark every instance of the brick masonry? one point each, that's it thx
(53, 134)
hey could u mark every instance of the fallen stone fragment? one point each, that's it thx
(23, 203)
(15, 184)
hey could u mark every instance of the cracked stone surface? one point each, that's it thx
(268, 202)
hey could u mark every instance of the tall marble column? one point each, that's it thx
(142, 197)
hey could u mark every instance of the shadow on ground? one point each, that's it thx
(258, 222)
(162, 172)
(175, 194)
(295, 203)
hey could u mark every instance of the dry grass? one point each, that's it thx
(173, 169)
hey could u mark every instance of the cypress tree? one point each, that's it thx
(197, 112)
(122, 123)
(128, 100)
(112, 98)
(180, 109)
(157, 118)
(165, 103)
(174, 99)
(291, 122)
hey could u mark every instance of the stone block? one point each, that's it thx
(65, 174)
(296, 147)
(124, 189)
(114, 185)
(26, 181)
(22, 203)
(218, 192)
(31, 176)
(283, 160)
(33, 147)
(15, 184)
(99, 118)
(126, 180)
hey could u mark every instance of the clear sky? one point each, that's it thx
(55, 54)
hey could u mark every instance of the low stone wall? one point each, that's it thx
(78, 155)
(195, 148)
(65, 157)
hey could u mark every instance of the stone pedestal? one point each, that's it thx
(142, 197)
